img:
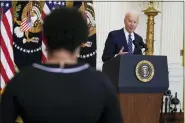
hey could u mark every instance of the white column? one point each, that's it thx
(102, 14)
(172, 43)
(172, 31)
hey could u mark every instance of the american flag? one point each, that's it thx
(7, 69)
(48, 7)
(25, 24)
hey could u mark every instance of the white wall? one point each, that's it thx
(168, 33)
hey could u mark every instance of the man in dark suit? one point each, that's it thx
(121, 42)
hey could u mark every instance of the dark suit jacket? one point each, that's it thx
(52, 103)
(115, 41)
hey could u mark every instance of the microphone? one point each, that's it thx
(140, 45)
(136, 44)
(143, 45)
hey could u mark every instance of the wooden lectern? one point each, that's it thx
(140, 81)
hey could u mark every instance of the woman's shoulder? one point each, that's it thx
(97, 73)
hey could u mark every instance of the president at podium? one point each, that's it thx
(125, 40)
(140, 81)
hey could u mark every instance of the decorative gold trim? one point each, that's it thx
(69, 3)
(151, 12)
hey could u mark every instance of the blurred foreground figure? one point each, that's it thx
(61, 90)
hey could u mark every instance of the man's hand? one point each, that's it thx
(121, 52)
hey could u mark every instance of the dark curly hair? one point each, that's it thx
(65, 28)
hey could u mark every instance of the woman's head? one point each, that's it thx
(65, 29)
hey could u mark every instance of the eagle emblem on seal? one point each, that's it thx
(145, 71)
(88, 11)
(31, 21)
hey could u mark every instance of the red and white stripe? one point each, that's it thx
(6, 49)
(25, 26)
(45, 12)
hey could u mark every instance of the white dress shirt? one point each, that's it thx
(132, 37)
(127, 36)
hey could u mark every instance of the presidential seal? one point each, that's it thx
(145, 71)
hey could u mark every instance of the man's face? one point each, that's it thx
(131, 22)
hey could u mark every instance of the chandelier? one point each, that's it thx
(150, 4)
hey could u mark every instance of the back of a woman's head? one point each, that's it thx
(65, 28)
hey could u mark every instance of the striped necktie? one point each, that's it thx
(129, 44)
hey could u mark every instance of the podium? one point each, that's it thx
(141, 81)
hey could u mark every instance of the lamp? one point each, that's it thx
(151, 12)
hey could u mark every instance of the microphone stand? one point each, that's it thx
(167, 95)
(175, 101)
(140, 46)
(161, 119)
(165, 109)
(169, 104)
